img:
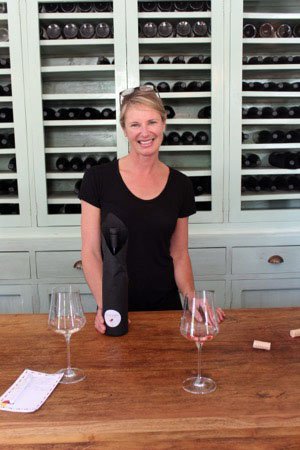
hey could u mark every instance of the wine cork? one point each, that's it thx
(262, 345)
(295, 333)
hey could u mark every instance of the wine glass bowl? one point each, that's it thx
(199, 324)
(66, 317)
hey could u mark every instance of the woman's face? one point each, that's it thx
(144, 129)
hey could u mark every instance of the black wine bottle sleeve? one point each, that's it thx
(115, 278)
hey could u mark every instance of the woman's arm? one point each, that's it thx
(182, 263)
(91, 255)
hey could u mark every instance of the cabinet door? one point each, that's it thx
(265, 293)
(15, 299)
(44, 292)
(14, 179)
(165, 61)
(67, 77)
(218, 287)
(264, 123)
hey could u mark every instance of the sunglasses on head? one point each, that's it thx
(144, 88)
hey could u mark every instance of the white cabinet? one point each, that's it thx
(15, 299)
(44, 291)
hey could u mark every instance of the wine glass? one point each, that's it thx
(66, 317)
(199, 324)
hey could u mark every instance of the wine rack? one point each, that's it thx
(168, 59)
(270, 118)
(75, 86)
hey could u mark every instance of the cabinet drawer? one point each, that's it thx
(258, 259)
(208, 261)
(58, 264)
(14, 265)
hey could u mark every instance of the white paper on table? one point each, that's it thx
(29, 391)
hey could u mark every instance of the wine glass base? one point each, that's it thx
(72, 375)
(199, 385)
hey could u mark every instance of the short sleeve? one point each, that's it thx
(90, 190)
(188, 206)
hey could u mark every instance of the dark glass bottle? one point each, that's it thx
(296, 30)
(196, 6)
(197, 59)
(84, 6)
(61, 114)
(4, 141)
(282, 112)
(295, 86)
(86, 31)
(164, 60)
(48, 113)
(292, 136)
(254, 113)
(62, 164)
(205, 113)
(245, 86)
(269, 86)
(102, 6)
(180, 59)
(148, 6)
(165, 29)
(263, 137)
(201, 138)
(70, 31)
(179, 86)
(296, 59)
(195, 86)
(165, 6)
(108, 114)
(271, 59)
(255, 86)
(284, 31)
(278, 136)
(289, 183)
(181, 6)
(6, 90)
(200, 28)
(267, 184)
(77, 186)
(149, 29)
(102, 60)
(90, 114)
(67, 7)
(53, 31)
(251, 184)
(253, 160)
(183, 28)
(6, 115)
(283, 160)
(283, 86)
(187, 138)
(268, 112)
(256, 60)
(12, 164)
(76, 164)
(294, 112)
(249, 30)
(206, 86)
(74, 113)
(89, 162)
(173, 138)
(51, 7)
(103, 160)
(4, 63)
(283, 59)
(102, 30)
(266, 30)
(245, 136)
(201, 185)
(170, 111)
(147, 60)
(163, 86)
(11, 140)
(9, 209)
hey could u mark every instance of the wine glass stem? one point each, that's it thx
(68, 338)
(199, 346)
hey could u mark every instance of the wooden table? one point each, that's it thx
(132, 397)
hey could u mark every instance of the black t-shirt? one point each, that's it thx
(150, 225)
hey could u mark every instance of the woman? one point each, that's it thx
(153, 201)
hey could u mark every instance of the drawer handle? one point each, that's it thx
(78, 265)
(275, 259)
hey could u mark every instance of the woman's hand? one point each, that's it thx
(99, 321)
(220, 314)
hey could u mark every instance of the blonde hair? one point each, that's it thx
(146, 98)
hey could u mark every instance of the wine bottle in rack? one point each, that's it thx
(4, 141)
(103, 160)
(12, 187)
(90, 114)
(205, 112)
(292, 136)
(282, 112)
(12, 164)
(249, 31)
(251, 183)
(147, 60)
(84, 7)
(197, 59)
(183, 29)
(73, 113)
(86, 31)
(197, 6)
(62, 164)
(165, 29)
(149, 29)
(187, 138)
(50, 7)
(163, 86)
(200, 28)
(245, 86)
(266, 30)
(179, 86)
(103, 6)
(180, 59)
(4, 63)
(9, 209)
(77, 186)
(61, 114)
(254, 113)
(255, 60)
(294, 112)
(283, 86)
(173, 138)
(148, 6)
(181, 6)
(284, 31)
(195, 86)
(108, 114)
(268, 112)
(278, 136)
(262, 137)
(201, 185)
(76, 164)
(296, 30)
(284, 160)
(252, 160)
(169, 110)
(49, 113)
(267, 184)
(164, 60)
(53, 31)
(208, 5)
(255, 86)
(68, 7)
(165, 6)
(70, 31)
(295, 86)
(269, 86)
(89, 162)
(103, 30)
(7, 90)
(6, 115)
(271, 59)
(3, 8)
(245, 136)
(201, 138)
(284, 183)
